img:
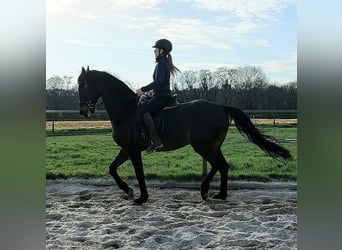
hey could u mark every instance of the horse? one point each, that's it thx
(200, 123)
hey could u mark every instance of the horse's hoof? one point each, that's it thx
(220, 197)
(204, 196)
(140, 201)
(130, 193)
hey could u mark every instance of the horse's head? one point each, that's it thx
(87, 93)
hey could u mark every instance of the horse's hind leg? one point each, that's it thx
(218, 163)
(207, 154)
(223, 167)
(120, 159)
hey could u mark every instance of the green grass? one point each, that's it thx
(66, 131)
(88, 156)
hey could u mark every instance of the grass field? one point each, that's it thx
(89, 156)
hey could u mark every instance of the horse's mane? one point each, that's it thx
(112, 78)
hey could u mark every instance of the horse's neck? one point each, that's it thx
(120, 109)
(118, 99)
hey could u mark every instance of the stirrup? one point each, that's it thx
(153, 148)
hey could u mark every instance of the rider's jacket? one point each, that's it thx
(161, 78)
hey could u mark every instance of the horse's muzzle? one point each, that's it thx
(85, 110)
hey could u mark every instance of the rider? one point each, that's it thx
(161, 88)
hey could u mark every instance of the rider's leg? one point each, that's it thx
(152, 130)
(154, 106)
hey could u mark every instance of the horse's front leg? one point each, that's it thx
(113, 170)
(135, 157)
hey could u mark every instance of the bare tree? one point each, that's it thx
(251, 82)
(59, 94)
(224, 79)
(188, 84)
(55, 82)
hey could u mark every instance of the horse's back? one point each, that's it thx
(194, 120)
(198, 110)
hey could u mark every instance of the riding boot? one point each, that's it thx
(151, 128)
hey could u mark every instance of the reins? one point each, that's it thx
(94, 105)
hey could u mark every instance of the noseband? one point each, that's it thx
(89, 104)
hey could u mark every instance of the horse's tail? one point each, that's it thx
(245, 126)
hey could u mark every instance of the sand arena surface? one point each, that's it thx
(95, 214)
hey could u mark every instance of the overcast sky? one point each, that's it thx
(116, 36)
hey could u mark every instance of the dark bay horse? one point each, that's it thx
(200, 123)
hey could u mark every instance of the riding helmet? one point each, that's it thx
(163, 44)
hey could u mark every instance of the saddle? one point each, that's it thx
(157, 118)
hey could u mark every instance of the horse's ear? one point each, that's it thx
(87, 68)
(83, 71)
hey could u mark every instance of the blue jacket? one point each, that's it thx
(161, 78)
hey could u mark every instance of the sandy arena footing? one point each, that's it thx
(95, 214)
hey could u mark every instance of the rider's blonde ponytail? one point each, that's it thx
(173, 68)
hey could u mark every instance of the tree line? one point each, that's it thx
(245, 87)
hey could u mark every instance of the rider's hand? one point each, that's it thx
(139, 92)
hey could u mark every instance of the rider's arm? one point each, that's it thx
(159, 77)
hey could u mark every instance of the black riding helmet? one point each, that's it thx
(163, 44)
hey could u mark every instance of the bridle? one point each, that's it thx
(90, 104)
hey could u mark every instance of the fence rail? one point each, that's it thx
(261, 112)
(73, 115)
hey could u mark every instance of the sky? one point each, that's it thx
(117, 36)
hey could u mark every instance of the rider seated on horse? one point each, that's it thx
(161, 88)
